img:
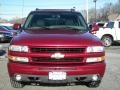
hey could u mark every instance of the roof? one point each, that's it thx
(54, 10)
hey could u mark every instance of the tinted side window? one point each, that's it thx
(119, 24)
(100, 24)
(110, 25)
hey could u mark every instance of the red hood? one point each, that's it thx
(55, 38)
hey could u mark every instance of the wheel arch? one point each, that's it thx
(107, 35)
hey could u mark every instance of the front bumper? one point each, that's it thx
(45, 79)
(39, 73)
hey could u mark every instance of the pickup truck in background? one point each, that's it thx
(109, 34)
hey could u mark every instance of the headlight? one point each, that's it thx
(1, 35)
(18, 48)
(95, 49)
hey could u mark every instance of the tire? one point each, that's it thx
(16, 84)
(107, 41)
(93, 84)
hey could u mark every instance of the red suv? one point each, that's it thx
(55, 46)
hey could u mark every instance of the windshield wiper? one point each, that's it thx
(38, 28)
(71, 28)
(57, 27)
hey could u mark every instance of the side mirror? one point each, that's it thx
(95, 28)
(16, 26)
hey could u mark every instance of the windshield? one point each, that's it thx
(55, 20)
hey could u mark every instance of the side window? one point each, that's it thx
(110, 25)
(100, 24)
(119, 24)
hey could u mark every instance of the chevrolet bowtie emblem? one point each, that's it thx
(57, 56)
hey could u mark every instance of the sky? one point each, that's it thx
(10, 9)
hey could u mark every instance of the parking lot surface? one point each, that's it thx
(111, 80)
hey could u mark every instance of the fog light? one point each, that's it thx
(18, 77)
(95, 77)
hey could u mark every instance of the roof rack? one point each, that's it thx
(37, 9)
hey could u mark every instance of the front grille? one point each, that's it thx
(38, 59)
(64, 50)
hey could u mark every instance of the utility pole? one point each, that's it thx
(118, 1)
(0, 12)
(95, 9)
(87, 11)
(22, 9)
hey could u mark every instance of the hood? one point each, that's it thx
(55, 38)
(4, 31)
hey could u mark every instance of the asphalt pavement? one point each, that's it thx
(111, 80)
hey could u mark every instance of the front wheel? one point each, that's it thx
(107, 41)
(93, 84)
